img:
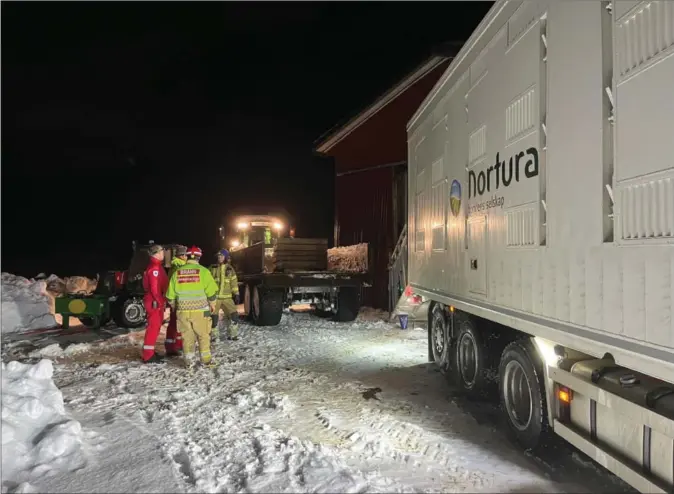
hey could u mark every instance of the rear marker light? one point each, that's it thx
(564, 395)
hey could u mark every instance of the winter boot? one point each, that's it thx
(174, 353)
(210, 364)
(155, 359)
(189, 360)
(233, 329)
(222, 330)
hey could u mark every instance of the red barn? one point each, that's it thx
(370, 155)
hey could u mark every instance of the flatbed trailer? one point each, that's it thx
(266, 294)
(541, 226)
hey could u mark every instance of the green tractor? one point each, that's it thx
(118, 295)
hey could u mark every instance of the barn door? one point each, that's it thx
(477, 255)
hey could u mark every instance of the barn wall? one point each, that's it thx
(364, 201)
(383, 138)
(363, 209)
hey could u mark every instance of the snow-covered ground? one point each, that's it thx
(308, 406)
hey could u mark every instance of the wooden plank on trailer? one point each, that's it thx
(303, 265)
(302, 241)
(299, 247)
(299, 255)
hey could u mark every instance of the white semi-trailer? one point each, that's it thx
(541, 225)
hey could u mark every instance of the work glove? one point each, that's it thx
(237, 299)
(211, 305)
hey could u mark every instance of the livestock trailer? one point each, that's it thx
(541, 225)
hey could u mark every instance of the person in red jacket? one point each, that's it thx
(155, 284)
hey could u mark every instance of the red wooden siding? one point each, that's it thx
(364, 215)
(364, 200)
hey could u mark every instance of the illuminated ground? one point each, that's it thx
(309, 406)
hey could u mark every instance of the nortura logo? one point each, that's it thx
(501, 173)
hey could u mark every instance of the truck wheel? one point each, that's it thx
(128, 312)
(348, 304)
(470, 357)
(522, 393)
(267, 306)
(247, 306)
(438, 337)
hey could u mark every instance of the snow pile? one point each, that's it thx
(25, 305)
(37, 438)
(351, 258)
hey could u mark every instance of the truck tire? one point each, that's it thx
(471, 357)
(522, 393)
(348, 304)
(267, 306)
(247, 297)
(439, 338)
(128, 312)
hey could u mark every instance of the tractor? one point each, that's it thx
(118, 295)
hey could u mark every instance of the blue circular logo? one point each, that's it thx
(455, 197)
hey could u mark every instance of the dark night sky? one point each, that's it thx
(125, 120)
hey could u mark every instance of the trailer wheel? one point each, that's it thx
(470, 357)
(267, 306)
(247, 306)
(522, 393)
(95, 322)
(128, 312)
(439, 339)
(348, 304)
(92, 322)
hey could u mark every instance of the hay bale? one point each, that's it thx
(349, 259)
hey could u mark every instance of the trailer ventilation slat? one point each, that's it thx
(643, 35)
(647, 209)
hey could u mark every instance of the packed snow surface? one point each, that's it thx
(25, 304)
(38, 438)
(306, 406)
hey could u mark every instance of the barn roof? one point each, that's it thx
(333, 136)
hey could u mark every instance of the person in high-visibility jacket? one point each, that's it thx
(192, 293)
(174, 341)
(228, 297)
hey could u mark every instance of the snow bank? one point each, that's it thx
(25, 305)
(351, 258)
(37, 438)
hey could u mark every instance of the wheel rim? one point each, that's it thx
(438, 334)
(467, 358)
(517, 395)
(256, 302)
(133, 312)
